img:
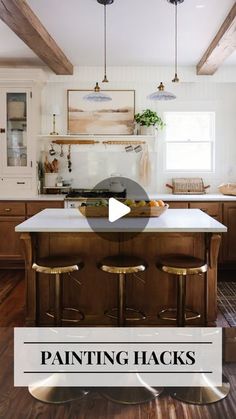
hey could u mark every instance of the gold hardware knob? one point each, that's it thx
(7, 209)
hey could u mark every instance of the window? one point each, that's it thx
(190, 140)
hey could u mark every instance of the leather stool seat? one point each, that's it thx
(181, 264)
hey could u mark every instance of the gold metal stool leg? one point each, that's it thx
(140, 392)
(121, 313)
(131, 395)
(181, 294)
(54, 394)
(121, 299)
(59, 313)
(58, 301)
(202, 395)
(47, 391)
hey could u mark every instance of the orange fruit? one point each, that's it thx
(161, 203)
(153, 203)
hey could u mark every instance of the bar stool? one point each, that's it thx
(47, 390)
(182, 266)
(123, 265)
(57, 265)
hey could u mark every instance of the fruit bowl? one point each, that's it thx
(136, 210)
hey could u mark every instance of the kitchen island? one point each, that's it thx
(66, 232)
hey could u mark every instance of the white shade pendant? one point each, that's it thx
(161, 94)
(97, 95)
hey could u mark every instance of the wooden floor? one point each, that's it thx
(12, 298)
(18, 404)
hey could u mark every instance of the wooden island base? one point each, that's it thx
(98, 291)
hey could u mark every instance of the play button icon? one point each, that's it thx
(117, 210)
(118, 196)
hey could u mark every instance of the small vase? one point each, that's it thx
(50, 179)
(147, 130)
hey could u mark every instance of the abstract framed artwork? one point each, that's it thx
(115, 117)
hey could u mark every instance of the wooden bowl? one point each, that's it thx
(102, 212)
(228, 189)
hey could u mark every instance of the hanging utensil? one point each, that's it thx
(69, 159)
(62, 152)
(47, 167)
(54, 166)
(52, 151)
(129, 148)
(137, 149)
(145, 167)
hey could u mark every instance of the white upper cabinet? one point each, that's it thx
(16, 131)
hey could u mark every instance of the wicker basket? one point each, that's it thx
(187, 186)
(228, 188)
(102, 212)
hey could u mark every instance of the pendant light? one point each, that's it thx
(97, 95)
(161, 94)
(176, 2)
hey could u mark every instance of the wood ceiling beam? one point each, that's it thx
(222, 46)
(22, 20)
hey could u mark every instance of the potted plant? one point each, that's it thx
(149, 121)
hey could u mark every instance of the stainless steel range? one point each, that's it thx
(78, 196)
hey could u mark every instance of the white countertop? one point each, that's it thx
(196, 198)
(43, 197)
(164, 197)
(70, 220)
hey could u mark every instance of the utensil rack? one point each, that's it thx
(126, 142)
(87, 142)
(75, 142)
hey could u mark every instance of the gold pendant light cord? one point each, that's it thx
(105, 45)
(176, 36)
(176, 80)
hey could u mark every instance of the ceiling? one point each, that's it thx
(140, 32)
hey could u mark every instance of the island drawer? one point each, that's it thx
(35, 207)
(178, 205)
(12, 208)
(214, 209)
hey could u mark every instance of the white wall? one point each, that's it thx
(197, 93)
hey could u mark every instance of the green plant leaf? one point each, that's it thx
(148, 118)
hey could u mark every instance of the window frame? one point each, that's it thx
(212, 142)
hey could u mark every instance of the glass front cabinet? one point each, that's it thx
(15, 131)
